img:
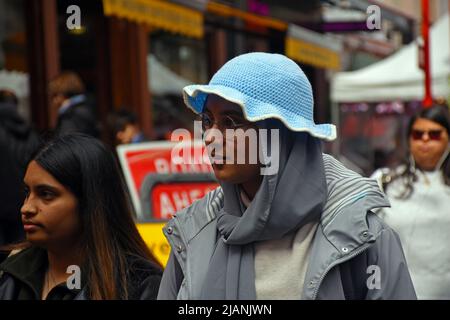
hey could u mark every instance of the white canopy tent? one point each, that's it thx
(162, 79)
(398, 77)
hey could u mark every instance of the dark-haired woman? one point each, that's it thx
(419, 192)
(82, 242)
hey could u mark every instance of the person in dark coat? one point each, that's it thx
(82, 242)
(17, 142)
(74, 109)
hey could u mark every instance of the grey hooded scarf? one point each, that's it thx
(285, 201)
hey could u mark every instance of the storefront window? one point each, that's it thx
(13, 53)
(174, 61)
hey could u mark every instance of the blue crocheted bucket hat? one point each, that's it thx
(266, 86)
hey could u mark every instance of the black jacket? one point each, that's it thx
(17, 143)
(79, 117)
(21, 278)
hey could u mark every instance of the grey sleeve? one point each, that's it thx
(388, 274)
(171, 280)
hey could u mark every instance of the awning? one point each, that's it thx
(227, 11)
(159, 14)
(162, 79)
(313, 48)
(398, 77)
(302, 45)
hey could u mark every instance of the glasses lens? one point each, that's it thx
(417, 134)
(435, 134)
(206, 121)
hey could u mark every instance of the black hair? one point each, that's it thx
(118, 120)
(88, 169)
(437, 113)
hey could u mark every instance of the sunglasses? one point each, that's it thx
(226, 122)
(432, 134)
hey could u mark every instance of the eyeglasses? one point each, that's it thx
(432, 134)
(224, 123)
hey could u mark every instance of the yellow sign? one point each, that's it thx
(153, 236)
(312, 54)
(159, 14)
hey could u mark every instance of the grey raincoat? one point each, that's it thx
(354, 255)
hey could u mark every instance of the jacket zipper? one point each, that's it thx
(331, 266)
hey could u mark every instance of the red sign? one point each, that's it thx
(140, 160)
(169, 198)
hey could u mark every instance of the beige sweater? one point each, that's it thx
(280, 265)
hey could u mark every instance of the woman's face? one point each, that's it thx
(50, 211)
(221, 115)
(428, 141)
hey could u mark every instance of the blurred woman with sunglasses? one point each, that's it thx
(419, 192)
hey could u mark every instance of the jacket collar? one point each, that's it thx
(350, 198)
(28, 267)
(344, 231)
(71, 102)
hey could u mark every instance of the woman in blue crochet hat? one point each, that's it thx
(287, 222)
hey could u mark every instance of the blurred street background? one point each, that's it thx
(362, 58)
